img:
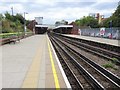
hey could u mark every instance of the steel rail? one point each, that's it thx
(96, 50)
(113, 78)
(96, 84)
(76, 83)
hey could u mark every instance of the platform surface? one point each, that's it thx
(31, 64)
(96, 39)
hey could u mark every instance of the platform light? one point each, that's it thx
(25, 23)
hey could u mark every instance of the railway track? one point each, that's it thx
(68, 71)
(95, 44)
(81, 77)
(107, 54)
(88, 73)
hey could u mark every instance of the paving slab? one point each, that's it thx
(27, 64)
(97, 39)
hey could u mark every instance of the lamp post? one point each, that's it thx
(110, 23)
(12, 10)
(25, 23)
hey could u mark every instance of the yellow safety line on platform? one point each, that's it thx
(53, 69)
(32, 76)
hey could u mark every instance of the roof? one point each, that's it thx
(41, 26)
(63, 26)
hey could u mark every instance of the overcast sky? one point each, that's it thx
(55, 10)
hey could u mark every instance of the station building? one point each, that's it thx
(63, 29)
(41, 29)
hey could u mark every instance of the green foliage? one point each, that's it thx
(109, 65)
(27, 22)
(92, 22)
(114, 59)
(8, 16)
(106, 23)
(12, 23)
(7, 35)
(13, 18)
(1, 17)
(87, 21)
(115, 18)
(62, 22)
(5, 26)
(117, 12)
(20, 18)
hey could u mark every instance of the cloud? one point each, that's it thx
(105, 5)
(73, 4)
(53, 10)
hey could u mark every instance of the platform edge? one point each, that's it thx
(60, 66)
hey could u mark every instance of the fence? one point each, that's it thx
(112, 33)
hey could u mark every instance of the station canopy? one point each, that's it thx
(64, 26)
(41, 25)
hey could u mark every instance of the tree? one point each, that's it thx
(77, 22)
(1, 17)
(117, 12)
(20, 18)
(9, 17)
(62, 22)
(87, 21)
(12, 23)
(6, 26)
(65, 22)
(114, 19)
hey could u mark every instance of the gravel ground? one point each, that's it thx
(101, 62)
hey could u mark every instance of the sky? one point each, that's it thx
(57, 10)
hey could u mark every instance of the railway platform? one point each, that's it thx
(32, 63)
(97, 39)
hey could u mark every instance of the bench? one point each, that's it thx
(4, 41)
(14, 39)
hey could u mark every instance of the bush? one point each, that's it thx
(7, 35)
(109, 65)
